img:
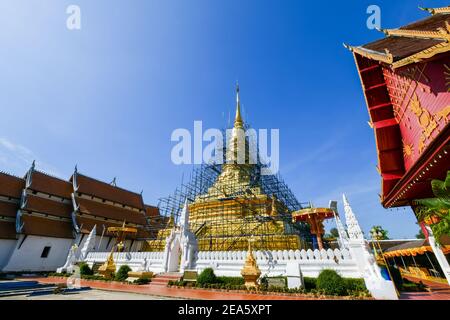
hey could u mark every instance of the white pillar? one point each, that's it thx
(439, 254)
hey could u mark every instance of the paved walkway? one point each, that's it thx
(93, 294)
(438, 291)
(186, 293)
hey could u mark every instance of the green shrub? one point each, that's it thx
(142, 281)
(85, 270)
(355, 284)
(207, 277)
(230, 280)
(331, 283)
(122, 274)
(310, 283)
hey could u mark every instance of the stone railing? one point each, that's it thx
(137, 261)
(230, 263)
(273, 263)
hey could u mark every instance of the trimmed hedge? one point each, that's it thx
(310, 283)
(85, 270)
(331, 283)
(142, 281)
(234, 281)
(122, 274)
(207, 277)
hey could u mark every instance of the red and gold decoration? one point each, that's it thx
(314, 217)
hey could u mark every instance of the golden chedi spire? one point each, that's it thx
(238, 123)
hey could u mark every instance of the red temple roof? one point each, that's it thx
(110, 211)
(11, 186)
(7, 230)
(8, 209)
(45, 183)
(103, 190)
(40, 226)
(401, 100)
(48, 206)
(411, 43)
(151, 211)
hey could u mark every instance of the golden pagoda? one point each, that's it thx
(235, 208)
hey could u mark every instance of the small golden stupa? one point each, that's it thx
(108, 269)
(250, 272)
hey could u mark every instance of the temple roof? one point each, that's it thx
(411, 43)
(103, 190)
(151, 211)
(47, 206)
(11, 186)
(7, 230)
(48, 184)
(41, 226)
(98, 209)
(8, 209)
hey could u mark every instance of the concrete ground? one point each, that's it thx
(92, 294)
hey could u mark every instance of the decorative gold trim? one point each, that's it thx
(385, 57)
(434, 11)
(422, 55)
(439, 33)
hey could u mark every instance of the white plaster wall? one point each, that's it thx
(6, 249)
(230, 263)
(273, 263)
(137, 261)
(28, 257)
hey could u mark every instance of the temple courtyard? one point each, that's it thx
(100, 290)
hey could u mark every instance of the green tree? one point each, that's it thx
(122, 274)
(334, 232)
(420, 235)
(437, 208)
(378, 233)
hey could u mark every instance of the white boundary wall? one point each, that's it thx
(137, 261)
(274, 263)
(230, 263)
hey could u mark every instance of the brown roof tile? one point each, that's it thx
(51, 185)
(11, 186)
(40, 226)
(103, 190)
(151, 211)
(8, 209)
(48, 206)
(109, 211)
(7, 230)
(401, 46)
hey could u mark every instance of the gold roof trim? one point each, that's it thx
(434, 11)
(385, 57)
(439, 34)
(422, 55)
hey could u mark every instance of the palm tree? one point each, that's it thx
(436, 211)
(378, 233)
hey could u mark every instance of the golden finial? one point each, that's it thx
(238, 123)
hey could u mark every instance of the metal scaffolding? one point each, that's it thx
(225, 215)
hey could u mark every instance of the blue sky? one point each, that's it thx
(107, 97)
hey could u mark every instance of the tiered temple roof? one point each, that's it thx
(43, 205)
(411, 43)
(406, 84)
(10, 191)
